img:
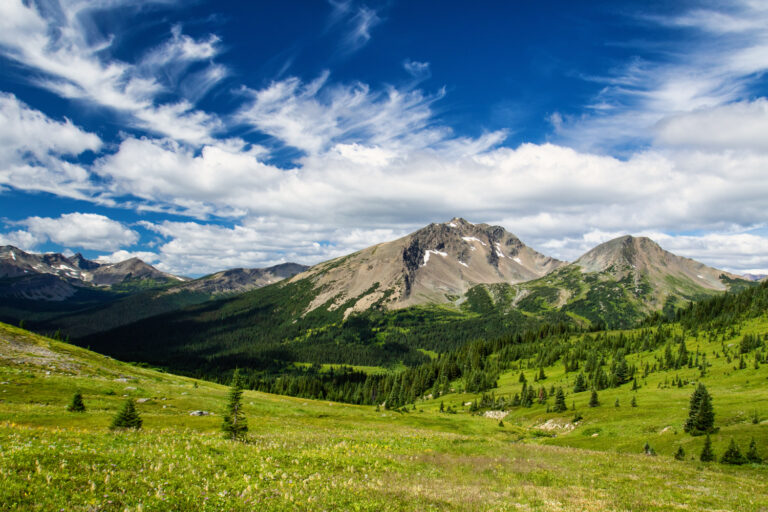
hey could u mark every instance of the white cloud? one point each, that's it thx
(194, 248)
(314, 116)
(31, 149)
(357, 22)
(723, 59)
(122, 255)
(81, 230)
(60, 43)
(736, 126)
(418, 70)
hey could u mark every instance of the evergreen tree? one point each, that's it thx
(442, 406)
(127, 417)
(560, 401)
(733, 455)
(593, 400)
(633, 403)
(616, 403)
(542, 376)
(76, 405)
(752, 455)
(580, 384)
(701, 417)
(707, 455)
(680, 453)
(234, 424)
(501, 423)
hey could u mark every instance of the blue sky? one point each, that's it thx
(205, 135)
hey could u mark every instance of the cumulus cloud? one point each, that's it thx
(80, 230)
(32, 147)
(736, 126)
(122, 255)
(194, 248)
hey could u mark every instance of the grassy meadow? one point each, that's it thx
(316, 455)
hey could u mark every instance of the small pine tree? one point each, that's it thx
(593, 400)
(733, 455)
(442, 406)
(560, 401)
(648, 449)
(235, 425)
(701, 416)
(501, 423)
(542, 375)
(707, 455)
(680, 453)
(616, 403)
(127, 417)
(752, 455)
(76, 405)
(633, 403)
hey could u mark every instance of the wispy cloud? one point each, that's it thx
(316, 115)
(356, 22)
(58, 43)
(721, 61)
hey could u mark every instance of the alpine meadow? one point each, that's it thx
(383, 255)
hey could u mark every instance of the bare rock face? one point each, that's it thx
(435, 264)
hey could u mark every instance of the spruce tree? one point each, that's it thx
(680, 453)
(701, 416)
(733, 455)
(633, 403)
(707, 455)
(76, 405)
(235, 425)
(127, 417)
(593, 400)
(580, 384)
(752, 455)
(560, 401)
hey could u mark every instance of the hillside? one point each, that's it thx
(94, 309)
(325, 455)
(620, 282)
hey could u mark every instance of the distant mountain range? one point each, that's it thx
(56, 277)
(435, 289)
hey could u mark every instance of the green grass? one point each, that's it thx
(317, 455)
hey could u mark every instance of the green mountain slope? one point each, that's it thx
(622, 281)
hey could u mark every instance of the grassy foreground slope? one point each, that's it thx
(302, 454)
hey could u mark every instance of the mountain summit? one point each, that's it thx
(436, 264)
(641, 256)
(621, 281)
